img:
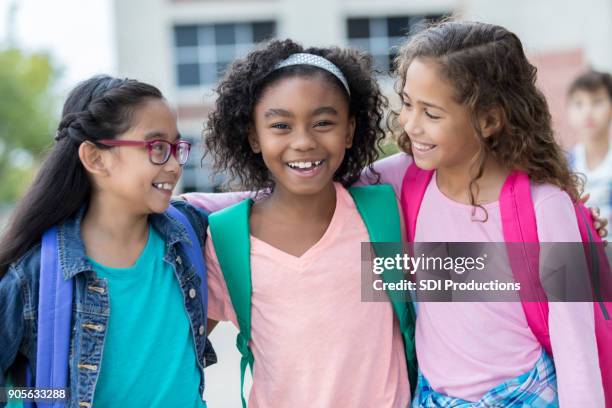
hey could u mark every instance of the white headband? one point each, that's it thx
(317, 61)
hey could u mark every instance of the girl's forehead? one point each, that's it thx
(315, 81)
(424, 79)
(422, 72)
(152, 109)
(302, 90)
(154, 116)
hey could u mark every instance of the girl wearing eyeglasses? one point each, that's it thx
(138, 334)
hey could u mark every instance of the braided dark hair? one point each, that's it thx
(229, 124)
(101, 107)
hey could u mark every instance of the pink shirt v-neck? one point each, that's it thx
(315, 343)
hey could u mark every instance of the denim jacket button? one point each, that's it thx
(97, 289)
(201, 330)
(192, 293)
(96, 327)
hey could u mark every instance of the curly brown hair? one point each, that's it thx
(488, 68)
(228, 126)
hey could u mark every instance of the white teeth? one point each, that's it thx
(164, 186)
(422, 147)
(304, 165)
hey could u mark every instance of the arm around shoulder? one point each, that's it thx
(391, 170)
(212, 202)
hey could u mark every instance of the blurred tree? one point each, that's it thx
(26, 117)
(388, 148)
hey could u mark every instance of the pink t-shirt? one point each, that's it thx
(466, 349)
(314, 342)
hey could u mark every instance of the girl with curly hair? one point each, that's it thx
(249, 132)
(472, 118)
(300, 125)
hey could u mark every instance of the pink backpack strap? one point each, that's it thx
(597, 260)
(520, 228)
(414, 185)
(599, 269)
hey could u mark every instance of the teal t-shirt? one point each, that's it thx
(149, 358)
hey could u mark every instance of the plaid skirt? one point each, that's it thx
(534, 389)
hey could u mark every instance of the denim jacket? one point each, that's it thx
(90, 314)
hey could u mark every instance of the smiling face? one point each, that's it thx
(302, 130)
(440, 129)
(132, 180)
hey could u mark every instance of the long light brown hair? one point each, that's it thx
(488, 68)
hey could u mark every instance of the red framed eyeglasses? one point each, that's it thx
(159, 150)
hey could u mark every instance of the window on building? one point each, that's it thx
(203, 52)
(381, 36)
(198, 174)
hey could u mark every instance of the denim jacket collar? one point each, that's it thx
(73, 257)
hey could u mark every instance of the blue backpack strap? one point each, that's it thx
(194, 252)
(54, 320)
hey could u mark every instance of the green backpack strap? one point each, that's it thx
(229, 229)
(377, 206)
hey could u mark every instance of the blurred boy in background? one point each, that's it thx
(590, 116)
